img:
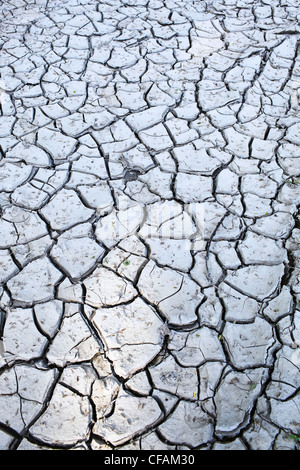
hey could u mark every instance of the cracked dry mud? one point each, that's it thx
(149, 235)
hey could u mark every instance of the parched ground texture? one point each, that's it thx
(149, 239)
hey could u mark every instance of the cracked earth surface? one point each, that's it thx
(149, 236)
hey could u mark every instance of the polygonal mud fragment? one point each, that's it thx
(34, 385)
(35, 283)
(50, 181)
(48, 316)
(66, 420)
(131, 416)
(238, 144)
(256, 281)
(138, 158)
(76, 256)
(91, 163)
(191, 160)
(21, 338)
(156, 138)
(226, 254)
(119, 225)
(263, 149)
(290, 193)
(6, 124)
(139, 383)
(280, 306)
(209, 377)
(256, 206)
(176, 295)
(97, 197)
(238, 307)
(285, 376)
(286, 413)
(121, 58)
(158, 182)
(79, 377)
(24, 389)
(30, 154)
(133, 245)
(140, 192)
(104, 393)
(193, 188)
(180, 131)
(133, 335)
(235, 398)
(73, 343)
(188, 425)
(251, 344)
(8, 234)
(261, 434)
(57, 144)
(210, 312)
(256, 249)
(168, 221)
(105, 288)
(259, 184)
(168, 376)
(200, 272)
(145, 119)
(210, 98)
(28, 226)
(29, 197)
(13, 175)
(73, 125)
(277, 226)
(175, 254)
(197, 347)
(158, 97)
(7, 267)
(65, 210)
(293, 134)
(70, 292)
(131, 97)
(124, 263)
(230, 228)
(227, 182)
(11, 404)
